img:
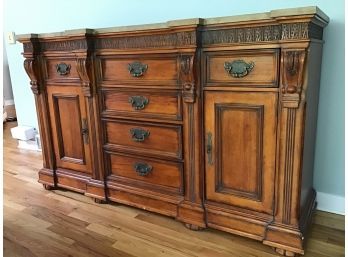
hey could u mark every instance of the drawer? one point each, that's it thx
(62, 69)
(144, 138)
(155, 70)
(149, 173)
(243, 68)
(150, 104)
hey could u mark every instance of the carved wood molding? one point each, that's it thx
(288, 163)
(31, 68)
(185, 38)
(63, 45)
(83, 67)
(187, 78)
(291, 31)
(292, 76)
(268, 33)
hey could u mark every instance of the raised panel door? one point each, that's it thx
(69, 127)
(240, 130)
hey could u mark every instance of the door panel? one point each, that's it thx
(68, 121)
(241, 142)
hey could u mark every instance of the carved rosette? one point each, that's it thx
(83, 66)
(31, 68)
(292, 76)
(187, 79)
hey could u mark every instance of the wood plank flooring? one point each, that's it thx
(61, 223)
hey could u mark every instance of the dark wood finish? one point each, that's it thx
(213, 124)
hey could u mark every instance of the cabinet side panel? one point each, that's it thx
(310, 119)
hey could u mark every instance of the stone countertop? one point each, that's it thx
(274, 14)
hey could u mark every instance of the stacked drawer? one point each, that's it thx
(142, 123)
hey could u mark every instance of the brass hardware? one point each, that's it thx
(139, 134)
(209, 148)
(138, 102)
(142, 169)
(239, 68)
(63, 68)
(137, 69)
(84, 131)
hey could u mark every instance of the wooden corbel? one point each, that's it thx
(31, 67)
(83, 66)
(187, 79)
(292, 62)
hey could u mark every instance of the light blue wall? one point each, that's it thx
(49, 16)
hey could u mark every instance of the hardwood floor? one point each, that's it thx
(62, 223)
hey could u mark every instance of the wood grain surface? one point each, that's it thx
(61, 223)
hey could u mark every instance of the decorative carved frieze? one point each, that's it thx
(31, 68)
(186, 38)
(291, 31)
(292, 76)
(187, 78)
(83, 67)
(65, 45)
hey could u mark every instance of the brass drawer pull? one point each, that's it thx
(63, 69)
(138, 102)
(239, 68)
(137, 69)
(139, 134)
(142, 169)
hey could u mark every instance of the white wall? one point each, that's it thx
(37, 16)
(7, 87)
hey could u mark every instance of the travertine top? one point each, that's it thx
(274, 14)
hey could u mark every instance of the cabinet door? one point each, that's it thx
(240, 139)
(69, 127)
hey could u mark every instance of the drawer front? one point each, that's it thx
(247, 68)
(145, 172)
(132, 69)
(144, 138)
(62, 69)
(149, 104)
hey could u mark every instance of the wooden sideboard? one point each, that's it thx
(210, 121)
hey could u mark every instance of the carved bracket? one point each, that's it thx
(292, 76)
(31, 68)
(83, 66)
(187, 79)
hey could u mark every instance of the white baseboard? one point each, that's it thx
(330, 203)
(9, 102)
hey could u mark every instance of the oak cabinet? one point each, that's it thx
(70, 132)
(210, 121)
(241, 129)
